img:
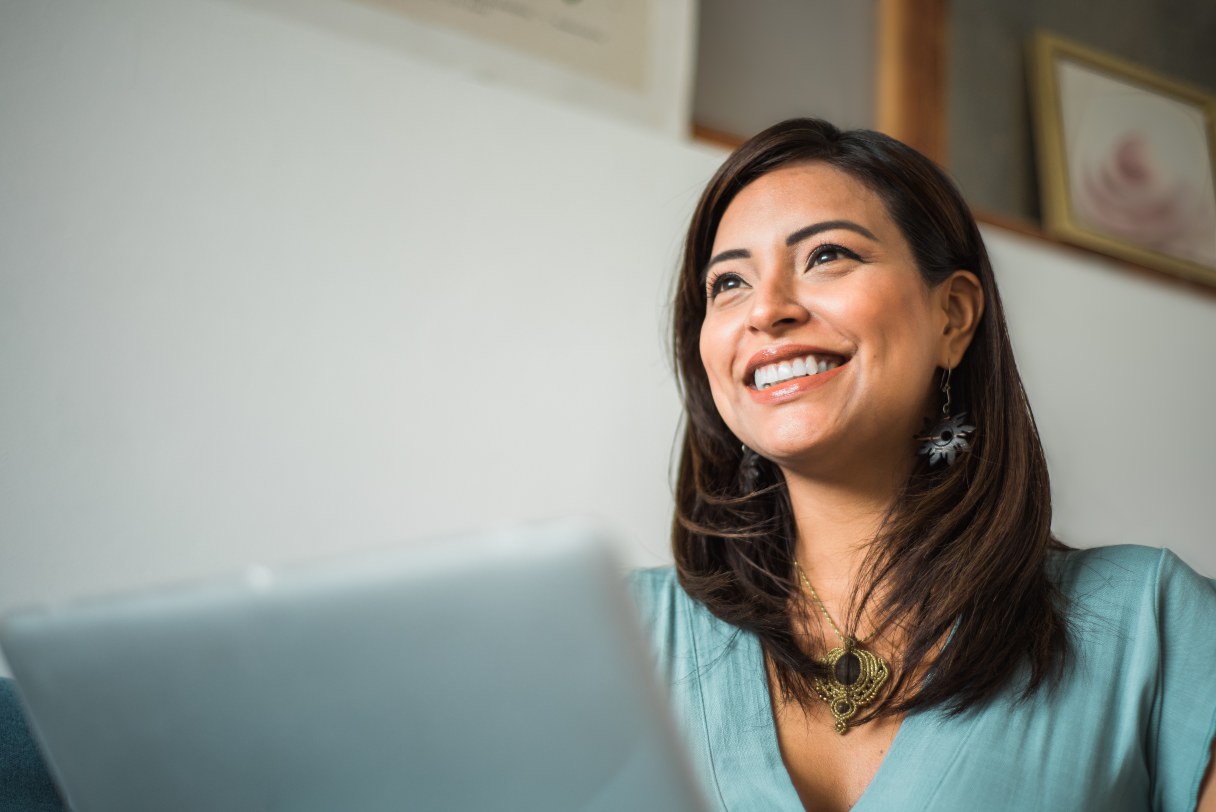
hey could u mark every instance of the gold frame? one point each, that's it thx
(1055, 192)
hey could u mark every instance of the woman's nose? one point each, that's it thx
(775, 306)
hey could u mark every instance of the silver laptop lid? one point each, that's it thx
(502, 671)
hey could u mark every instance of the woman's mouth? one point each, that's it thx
(800, 367)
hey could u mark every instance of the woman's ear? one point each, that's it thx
(961, 299)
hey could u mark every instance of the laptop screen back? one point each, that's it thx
(499, 672)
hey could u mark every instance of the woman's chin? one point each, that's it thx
(836, 462)
(795, 458)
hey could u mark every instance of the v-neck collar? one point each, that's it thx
(740, 735)
(748, 770)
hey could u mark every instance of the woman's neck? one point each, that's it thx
(836, 523)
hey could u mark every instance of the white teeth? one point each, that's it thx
(771, 374)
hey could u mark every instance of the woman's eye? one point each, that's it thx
(723, 283)
(829, 253)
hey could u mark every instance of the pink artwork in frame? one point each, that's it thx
(1126, 160)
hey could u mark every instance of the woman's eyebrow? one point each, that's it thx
(827, 225)
(793, 239)
(733, 253)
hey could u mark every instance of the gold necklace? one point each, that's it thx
(857, 674)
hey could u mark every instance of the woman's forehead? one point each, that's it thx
(793, 197)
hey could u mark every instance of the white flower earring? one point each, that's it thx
(949, 437)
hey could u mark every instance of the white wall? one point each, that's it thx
(269, 289)
(1120, 372)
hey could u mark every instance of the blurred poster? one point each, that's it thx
(628, 57)
(605, 39)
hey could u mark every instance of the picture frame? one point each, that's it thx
(632, 59)
(1126, 159)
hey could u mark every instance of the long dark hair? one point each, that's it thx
(962, 552)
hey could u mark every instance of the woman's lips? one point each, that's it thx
(782, 371)
(788, 353)
(793, 388)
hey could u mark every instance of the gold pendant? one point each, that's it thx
(858, 674)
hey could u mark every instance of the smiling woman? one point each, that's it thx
(868, 608)
(877, 329)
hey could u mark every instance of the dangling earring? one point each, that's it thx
(749, 470)
(949, 437)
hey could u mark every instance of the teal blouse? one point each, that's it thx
(1129, 728)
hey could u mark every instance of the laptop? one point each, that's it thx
(501, 671)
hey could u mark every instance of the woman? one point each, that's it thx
(868, 609)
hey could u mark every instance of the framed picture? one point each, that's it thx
(629, 58)
(1126, 159)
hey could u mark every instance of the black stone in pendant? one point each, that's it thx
(848, 668)
(842, 708)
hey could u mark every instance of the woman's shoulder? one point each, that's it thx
(1136, 615)
(660, 599)
(1134, 603)
(654, 586)
(676, 624)
(1126, 573)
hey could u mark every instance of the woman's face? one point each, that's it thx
(821, 339)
